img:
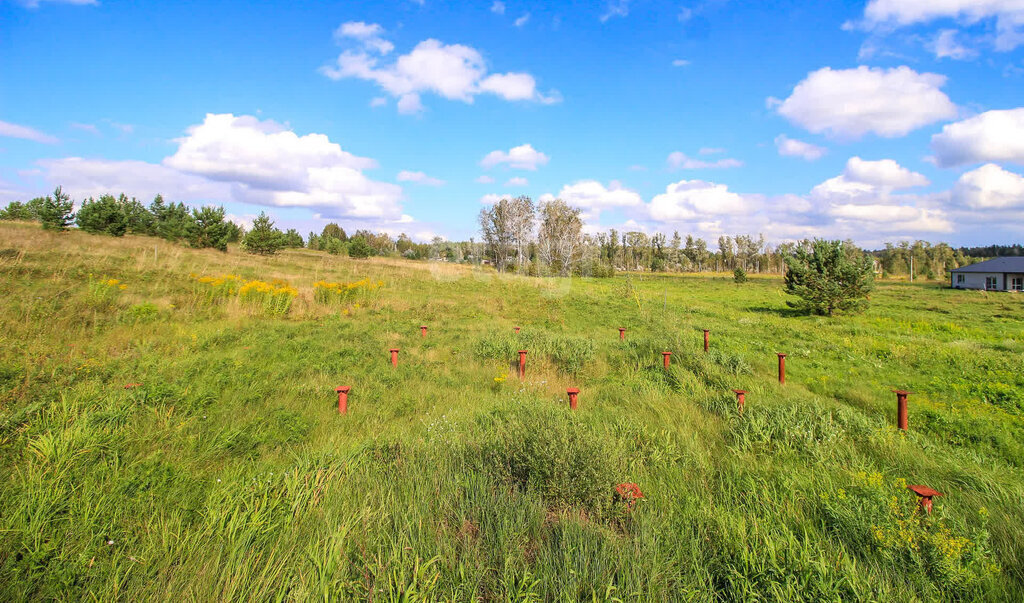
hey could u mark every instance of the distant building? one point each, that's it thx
(999, 274)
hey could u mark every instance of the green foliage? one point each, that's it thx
(739, 276)
(103, 215)
(263, 239)
(333, 231)
(293, 239)
(56, 212)
(170, 221)
(828, 276)
(16, 210)
(208, 229)
(358, 248)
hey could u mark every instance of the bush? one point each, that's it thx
(549, 451)
(739, 275)
(359, 248)
(55, 212)
(208, 229)
(102, 216)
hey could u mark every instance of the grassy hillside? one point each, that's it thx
(227, 473)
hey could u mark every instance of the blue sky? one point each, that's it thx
(876, 120)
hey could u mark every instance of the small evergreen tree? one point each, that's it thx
(102, 216)
(56, 212)
(828, 276)
(359, 248)
(263, 239)
(739, 275)
(208, 229)
(333, 230)
(293, 239)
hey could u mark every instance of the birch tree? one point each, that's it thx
(560, 236)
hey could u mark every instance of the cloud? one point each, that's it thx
(523, 157)
(25, 133)
(689, 200)
(38, 3)
(849, 103)
(680, 161)
(593, 197)
(946, 46)
(369, 35)
(680, 63)
(418, 178)
(882, 173)
(892, 14)
(616, 8)
(710, 151)
(90, 128)
(521, 21)
(498, 8)
(378, 101)
(451, 71)
(123, 128)
(517, 181)
(989, 187)
(990, 136)
(790, 147)
(245, 160)
(485, 179)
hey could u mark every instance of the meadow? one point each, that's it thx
(169, 428)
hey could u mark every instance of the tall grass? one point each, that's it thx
(225, 473)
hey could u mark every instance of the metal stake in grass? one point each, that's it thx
(622, 333)
(423, 331)
(666, 356)
(394, 357)
(782, 368)
(573, 392)
(901, 408)
(522, 364)
(707, 339)
(741, 398)
(925, 494)
(516, 330)
(342, 398)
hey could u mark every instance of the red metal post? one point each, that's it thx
(666, 356)
(741, 398)
(516, 329)
(707, 338)
(622, 333)
(394, 356)
(573, 392)
(423, 331)
(342, 398)
(901, 408)
(522, 364)
(782, 368)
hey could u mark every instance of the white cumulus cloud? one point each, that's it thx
(1008, 14)
(517, 181)
(689, 200)
(989, 187)
(989, 136)
(849, 103)
(523, 157)
(593, 197)
(451, 71)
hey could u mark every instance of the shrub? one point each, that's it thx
(739, 275)
(359, 248)
(828, 276)
(548, 451)
(103, 215)
(208, 229)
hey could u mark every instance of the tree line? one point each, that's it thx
(517, 235)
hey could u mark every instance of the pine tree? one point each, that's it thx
(263, 239)
(828, 276)
(56, 212)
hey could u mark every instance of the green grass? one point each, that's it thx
(227, 474)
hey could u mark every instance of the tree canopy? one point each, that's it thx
(828, 276)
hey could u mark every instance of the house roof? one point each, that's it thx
(1003, 264)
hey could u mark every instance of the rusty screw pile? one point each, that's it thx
(782, 368)
(516, 330)
(522, 364)
(394, 356)
(573, 392)
(901, 408)
(707, 339)
(622, 333)
(666, 356)
(423, 331)
(741, 398)
(925, 494)
(342, 398)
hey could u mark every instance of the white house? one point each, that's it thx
(999, 274)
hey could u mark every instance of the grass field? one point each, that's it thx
(227, 473)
